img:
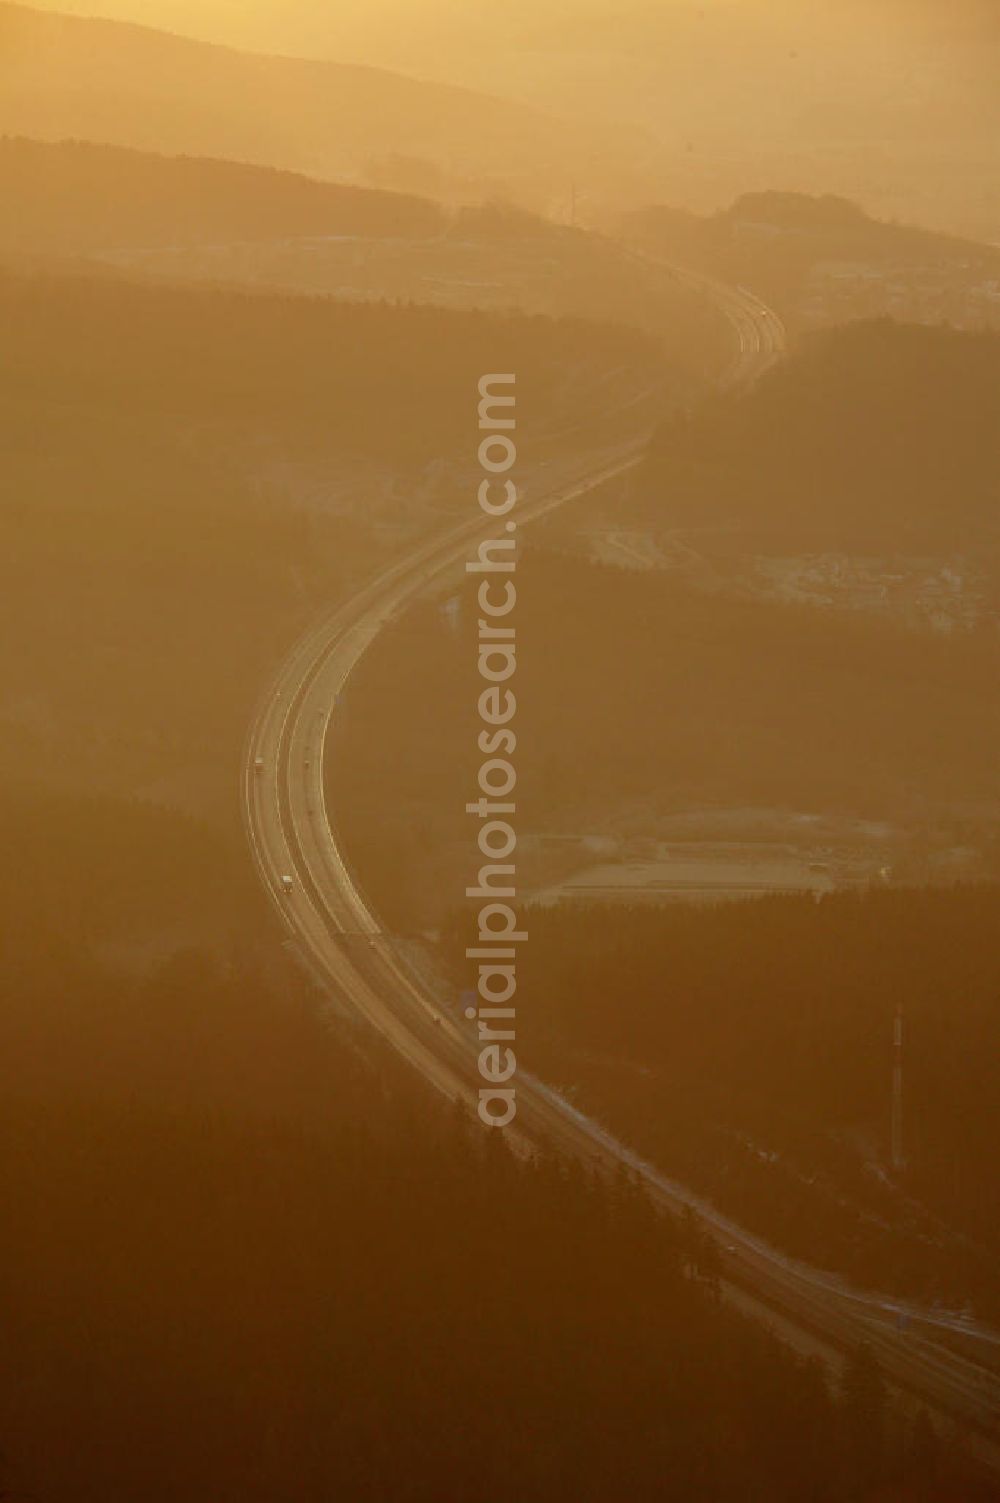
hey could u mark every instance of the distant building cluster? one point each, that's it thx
(706, 871)
(947, 596)
(959, 293)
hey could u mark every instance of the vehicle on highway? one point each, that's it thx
(258, 764)
(377, 992)
(287, 884)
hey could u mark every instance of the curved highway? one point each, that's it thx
(339, 938)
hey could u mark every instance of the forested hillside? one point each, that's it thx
(748, 1049)
(880, 433)
(298, 1266)
(193, 475)
(640, 697)
(73, 197)
(773, 241)
(280, 366)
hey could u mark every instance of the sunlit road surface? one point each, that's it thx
(340, 940)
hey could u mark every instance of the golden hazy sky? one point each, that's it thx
(892, 102)
(325, 27)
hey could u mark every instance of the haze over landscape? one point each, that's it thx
(500, 751)
(892, 102)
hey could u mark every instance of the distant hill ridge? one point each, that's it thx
(74, 197)
(68, 77)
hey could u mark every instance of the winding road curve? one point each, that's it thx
(339, 938)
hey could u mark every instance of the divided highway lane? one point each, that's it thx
(339, 936)
(287, 821)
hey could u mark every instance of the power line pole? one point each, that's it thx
(896, 1152)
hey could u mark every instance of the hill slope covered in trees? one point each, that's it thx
(74, 197)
